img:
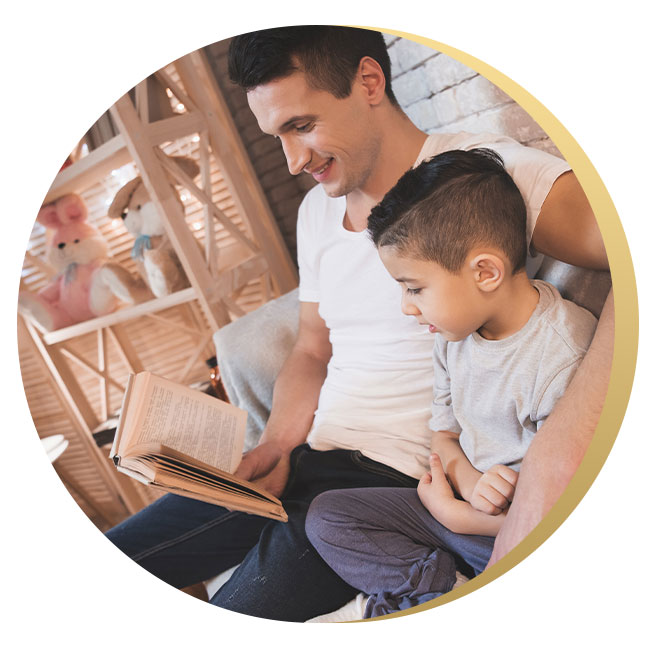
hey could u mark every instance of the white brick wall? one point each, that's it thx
(441, 94)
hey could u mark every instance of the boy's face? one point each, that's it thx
(331, 139)
(448, 303)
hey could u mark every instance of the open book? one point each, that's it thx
(188, 443)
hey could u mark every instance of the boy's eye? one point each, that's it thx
(413, 292)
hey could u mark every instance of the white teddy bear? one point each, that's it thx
(153, 252)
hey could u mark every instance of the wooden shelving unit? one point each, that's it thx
(241, 246)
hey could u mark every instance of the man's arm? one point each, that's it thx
(295, 398)
(567, 230)
(566, 227)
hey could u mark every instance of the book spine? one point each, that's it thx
(120, 425)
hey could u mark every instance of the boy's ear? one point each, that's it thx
(372, 79)
(488, 271)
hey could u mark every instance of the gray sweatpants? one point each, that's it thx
(384, 542)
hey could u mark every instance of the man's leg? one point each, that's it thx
(184, 541)
(283, 577)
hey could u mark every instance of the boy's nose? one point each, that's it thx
(408, 308)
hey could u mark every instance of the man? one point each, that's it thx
(357, 384)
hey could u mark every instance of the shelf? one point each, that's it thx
(114, 153)
(120, 316)
(228, 281)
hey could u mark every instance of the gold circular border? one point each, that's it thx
(626, 314)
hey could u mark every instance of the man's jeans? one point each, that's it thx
(183, 541)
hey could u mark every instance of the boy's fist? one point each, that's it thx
(493, 492)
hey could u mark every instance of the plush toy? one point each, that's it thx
(87, 284)
(156, 259)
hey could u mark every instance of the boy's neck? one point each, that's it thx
(512, 306)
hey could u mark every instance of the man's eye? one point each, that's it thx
(304, 128)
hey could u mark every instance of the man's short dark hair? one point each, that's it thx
(329, 56)
(449, 205)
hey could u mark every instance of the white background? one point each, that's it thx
(64, 64)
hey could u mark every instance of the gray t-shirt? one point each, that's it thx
(497, 394)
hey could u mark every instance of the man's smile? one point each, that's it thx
(320, 172)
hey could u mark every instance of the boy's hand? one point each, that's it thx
(459, 516)
(436, 494)
(494, 490)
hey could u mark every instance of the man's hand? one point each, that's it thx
(267, 465)
(495, 489)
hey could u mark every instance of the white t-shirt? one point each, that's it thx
(377, 394)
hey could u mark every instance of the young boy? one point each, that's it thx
(452, 232)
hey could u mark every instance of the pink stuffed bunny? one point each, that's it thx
(87, 285)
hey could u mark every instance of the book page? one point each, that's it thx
(189, 421)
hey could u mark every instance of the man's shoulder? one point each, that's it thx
(437, 143)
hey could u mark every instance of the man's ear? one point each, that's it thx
(488, 271)
(372, 80)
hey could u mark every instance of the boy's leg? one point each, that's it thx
(384, 541)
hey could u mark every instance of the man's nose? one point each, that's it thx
(297, 155)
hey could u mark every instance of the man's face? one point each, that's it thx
(331, 139)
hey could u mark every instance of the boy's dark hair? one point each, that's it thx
(329, 56)
(450, 204)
